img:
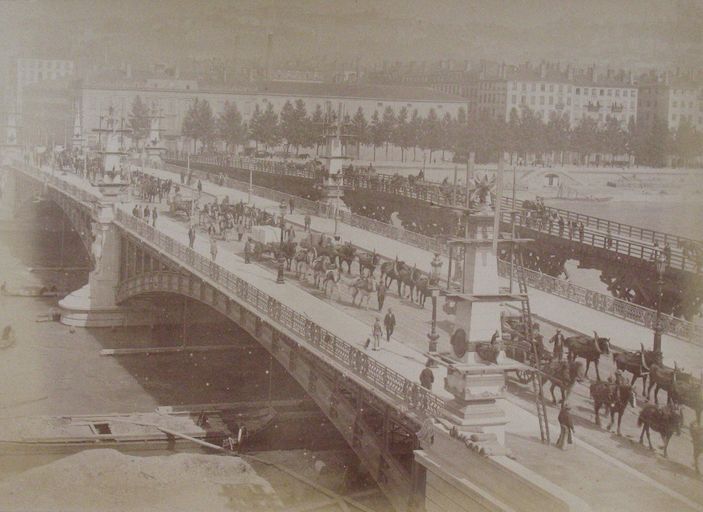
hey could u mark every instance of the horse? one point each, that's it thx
(301, 259)
(635, 363)
(686, 391)
(562, 374)
(614, 396)
(346, 254)
(365, 286)
(407, 277)
(588, 348)
(288, 252)
(319, 269)
(368, 261)
(666, 420)
(664, 378)
(422, 286)
(332, 277)
(390, 271)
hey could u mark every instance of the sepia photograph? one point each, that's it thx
(351, 256)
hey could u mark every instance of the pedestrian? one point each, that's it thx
(377, 332)
(426, 375)
(561, 226)
(247, 250)
(367, 344)
(146, 213)
(381, 294)
(667, 253)
(566, 425)
(558, 341)
(191, 236)
(135, 211)
(308, 221)
(200, 186)
(581, 232)
(154, 216)
(291, 204)
(389, 323)
(213, 247)
(240, 230)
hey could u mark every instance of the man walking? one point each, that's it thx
(213, 247)
(247, 250)
(291, 204)
(566, 425)
(154, 216)
(307, 222)
(146, 214)
(377, 332)
(558, 341)
(426, 376)
(381, 294)
(389, 323)
(191, 236)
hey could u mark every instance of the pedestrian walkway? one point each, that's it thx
(623, 334)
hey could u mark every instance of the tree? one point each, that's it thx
(446, 130)
(431, 132)
(376, 134)
(230, 127)
(400, 136)
(139, 120)
(199, 123)
(359, 127)
(612, 138)
(288, 125)
(584, 138)
(255, 128)
(686, 142)
(269, 127)
(557, 134)
(414, 130)
(301, 124)
(316, 128)
(388, 124)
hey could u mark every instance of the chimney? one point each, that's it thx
(267, 58)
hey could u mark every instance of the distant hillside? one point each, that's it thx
(625, 32)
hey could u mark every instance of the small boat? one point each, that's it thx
(218, 425)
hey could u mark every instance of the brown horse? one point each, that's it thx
(615, 396)
(391, 271)
(562, 375)
(368, 261)
(588, 348)
(636, 363)
(666, 420)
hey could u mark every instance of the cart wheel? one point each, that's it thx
(524, 376)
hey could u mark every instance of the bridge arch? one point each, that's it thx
(381, 434)
(79, 215)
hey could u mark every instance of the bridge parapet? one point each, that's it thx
(384, 379)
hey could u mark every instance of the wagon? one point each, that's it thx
(179, 204)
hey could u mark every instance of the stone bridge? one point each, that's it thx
(402, 433)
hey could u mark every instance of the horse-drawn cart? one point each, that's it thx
(265, 240)
(178, 204)
(519, 348)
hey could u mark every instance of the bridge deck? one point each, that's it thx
(580, 318)
(402, 357)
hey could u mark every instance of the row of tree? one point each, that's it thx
(526, 136)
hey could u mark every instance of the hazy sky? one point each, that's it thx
(639, 32)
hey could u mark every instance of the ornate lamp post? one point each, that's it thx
(433, 336)
(660, 264)
(281, 259)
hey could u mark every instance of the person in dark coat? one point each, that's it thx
(307, 222)
(247, 251)
(566, 425)
(389, 323)
(381, 294)
(291, 204)
(154, 216)
(146, 214)
(558, 341)
(426, 376)
(191, 236)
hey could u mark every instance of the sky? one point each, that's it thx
(617, 32)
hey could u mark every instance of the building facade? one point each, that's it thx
(671, 100)
(31, 71)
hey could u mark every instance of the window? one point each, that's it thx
(514, 85)
(578, 91)
(568, 100)
(524, 87)
(617, 92)
(541, 100)
(624, 93)
(551, 87)
(601, 92)
(522, 100)
(541, 87)
(551, 100)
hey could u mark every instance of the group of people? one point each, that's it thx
(146, 214)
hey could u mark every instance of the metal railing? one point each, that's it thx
(615, 228)
(381, 377)
(607, 241)
(75, 192)
(641, 315)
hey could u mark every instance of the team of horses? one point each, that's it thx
(614, 395)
